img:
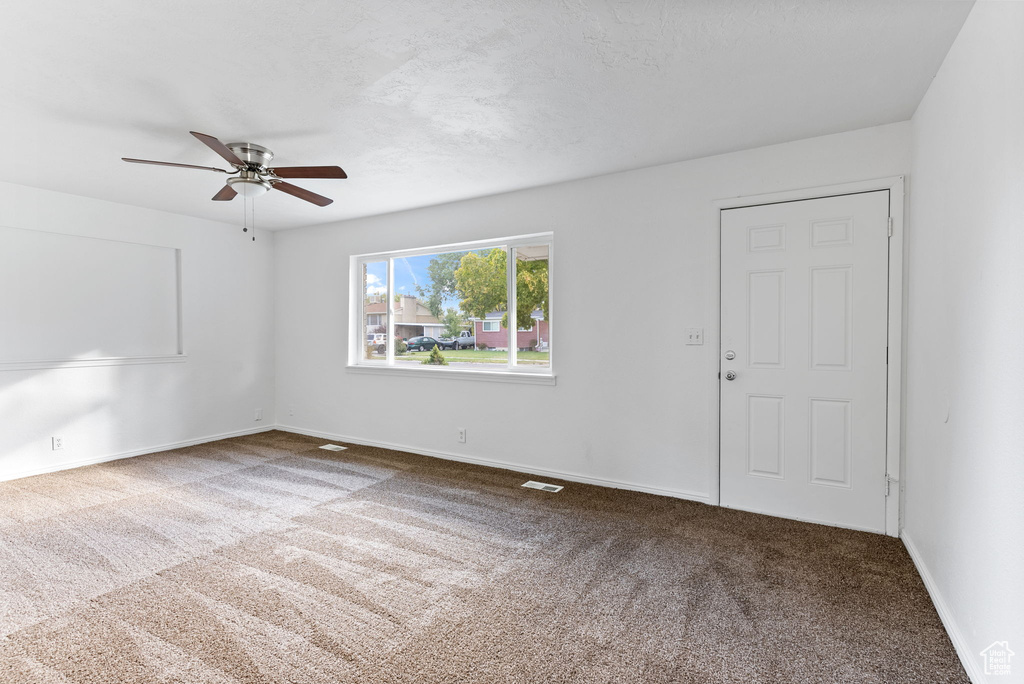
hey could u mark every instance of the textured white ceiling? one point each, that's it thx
(429, 101)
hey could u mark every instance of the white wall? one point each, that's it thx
(107, 411)
(634, 251)
(964, 518)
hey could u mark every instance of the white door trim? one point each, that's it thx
(897, 298)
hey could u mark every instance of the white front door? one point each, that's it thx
(804, 359)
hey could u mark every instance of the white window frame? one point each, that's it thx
(510, 372)
(495, 323)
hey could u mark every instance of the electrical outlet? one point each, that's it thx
(259, 414)
(291, 412)
(57, 443)
(462, 435)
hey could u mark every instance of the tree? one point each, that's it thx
(454, 323)
(481, 282)
(441, 270)
(531, 291)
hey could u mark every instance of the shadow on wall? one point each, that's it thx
(97, 411)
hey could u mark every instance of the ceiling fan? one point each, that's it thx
(251, 176)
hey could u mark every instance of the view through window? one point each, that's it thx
(450, 307)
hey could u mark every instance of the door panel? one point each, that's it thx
(804, 311)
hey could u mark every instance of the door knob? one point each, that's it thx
(730, 375)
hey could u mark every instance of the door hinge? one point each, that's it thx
(888, 484)
(890, 226)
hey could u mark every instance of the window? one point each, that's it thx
(373, 321)
(463, 295)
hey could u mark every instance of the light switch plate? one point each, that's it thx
(695, 336)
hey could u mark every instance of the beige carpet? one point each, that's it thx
(265, 559)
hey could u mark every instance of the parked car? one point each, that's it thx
(424, 343)
(377, 340)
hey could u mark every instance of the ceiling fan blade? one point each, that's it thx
(309, 172)
(226, 193)
(218, 147)
(159, 163)
(316, 199)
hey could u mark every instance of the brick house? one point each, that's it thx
(491, 332)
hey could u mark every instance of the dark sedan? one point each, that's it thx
(424, 343)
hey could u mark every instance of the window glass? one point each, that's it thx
(374, 318)
(533, 316)
(437, 296)
(459, 300)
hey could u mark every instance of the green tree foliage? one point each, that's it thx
(481, 282)
(531, 291)
(435, 358)
(441, 270)
(454, 323)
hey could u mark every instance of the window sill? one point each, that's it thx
(520, 377)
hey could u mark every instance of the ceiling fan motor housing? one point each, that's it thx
(249, 182)
(252, 154)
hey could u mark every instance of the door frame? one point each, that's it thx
(895, 409)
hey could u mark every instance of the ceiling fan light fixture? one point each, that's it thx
(249, 187)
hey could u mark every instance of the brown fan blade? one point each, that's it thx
(316, 199)
(226, 193)
(309, 172)
(218, 147)
(184, 166)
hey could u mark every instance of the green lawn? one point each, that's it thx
(477, 356)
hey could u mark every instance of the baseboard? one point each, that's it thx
(128, 454)
(519, 468)
(967, 657)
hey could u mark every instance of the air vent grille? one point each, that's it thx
(543, 486)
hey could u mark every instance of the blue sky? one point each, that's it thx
(409, 272)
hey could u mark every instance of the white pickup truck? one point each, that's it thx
(465, 340)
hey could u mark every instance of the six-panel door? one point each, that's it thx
(804, 308)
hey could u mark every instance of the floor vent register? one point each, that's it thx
(543, 486)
